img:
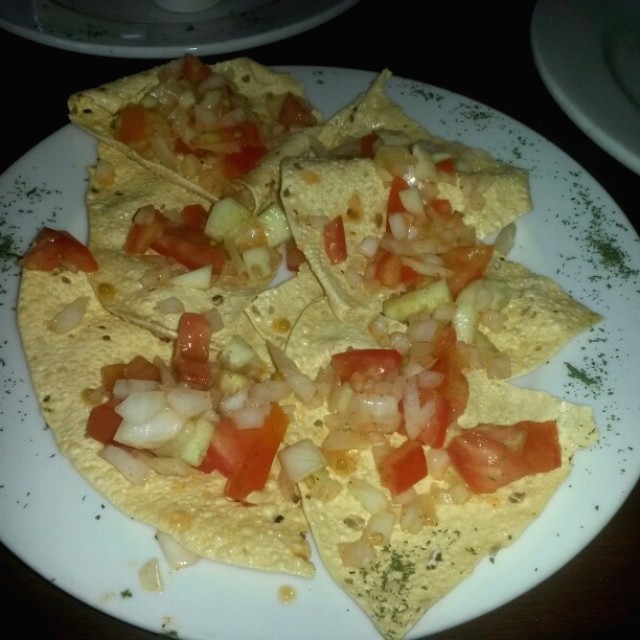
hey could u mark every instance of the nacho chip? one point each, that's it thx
(193, 510)
(414, 571)
(255, 91)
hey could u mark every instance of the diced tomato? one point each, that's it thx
(434, 431)
(103, 421)
(367, 143)
(373, 363)
(53, 249)
(110, 373)
(454, 387)
(390, 271)
(133, 124)
(444, 339)
(194, 70)
(226, 450)
(194, 216)
(139, 368)
(335, 243)
(442, 206)
(237, 164)
(468, 263)
(191, 350)
(296, 112)
(394, 204)
(402, 467)
(192, 255)
(447, 166)
(491, 456)
(294, 256)
(141, 236)
(252, 473)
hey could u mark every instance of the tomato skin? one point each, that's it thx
(402, 467)
(485, 460)
(194, 216)
(191, 350)
(366, 362)
(226, 450)
(133, 125)
(367, 143)
(103, 421)
(139, 368)
(294, 256)
(141, 236)
(390, 271)
(194, 70)
(237, 164)
(295, 112)
(189, 253)
(468, 263)
(53, 249)
(262, 446)
(447, 166)
(454, 387)
(335, 242)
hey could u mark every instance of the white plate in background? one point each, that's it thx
(588, 55)
(141, 29)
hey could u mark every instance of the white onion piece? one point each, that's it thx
(398, 226)
(268, 391)
(411, 200)
(368, 246)
(149, 576)
(132, 468)
(176, 555)
(303, 386)
(70, 316)
(371, 498)
(141, 406)
(415, 416)
(250, 417)
(438, 462)
(506, 239)
(124, 387)
(379, 528)
(187, 402)
(171, 305)
(233, 402)
(196, 279)
(301, 459)
(150, 434)
(357, 554)
(168, 466)
(345, 440)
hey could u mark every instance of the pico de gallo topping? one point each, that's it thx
(196, 121)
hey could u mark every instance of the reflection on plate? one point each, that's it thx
(588, 55)
(141, 29)
(576, 234)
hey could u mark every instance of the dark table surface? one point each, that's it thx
(480, 50)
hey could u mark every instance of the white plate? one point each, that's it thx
(588, 55)
(54, 521)
(141, 29)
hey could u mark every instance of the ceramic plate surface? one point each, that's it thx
(141, 29)
(55, 522)
(588, 55)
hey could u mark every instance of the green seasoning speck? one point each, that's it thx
(126, 594)
(8, 252)
(574, 372)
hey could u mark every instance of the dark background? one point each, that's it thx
(480, 50)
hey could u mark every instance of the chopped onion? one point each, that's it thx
(357, 554)
(506, 239)
(149, 576)
(303, 386)
(371, 498)
(250, 417)
(149, 434)
(301, 459)
(379, 528)
(124, 387)
(141, 406)
(187, 402)
(131, 467)
(70, 316)
(177, 556)
(171, 305)
(415, 415)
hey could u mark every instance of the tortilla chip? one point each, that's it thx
(487, 192)
(95, 109)
(269, 536)
(413, 572)
(117, 283)
(539, 320)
